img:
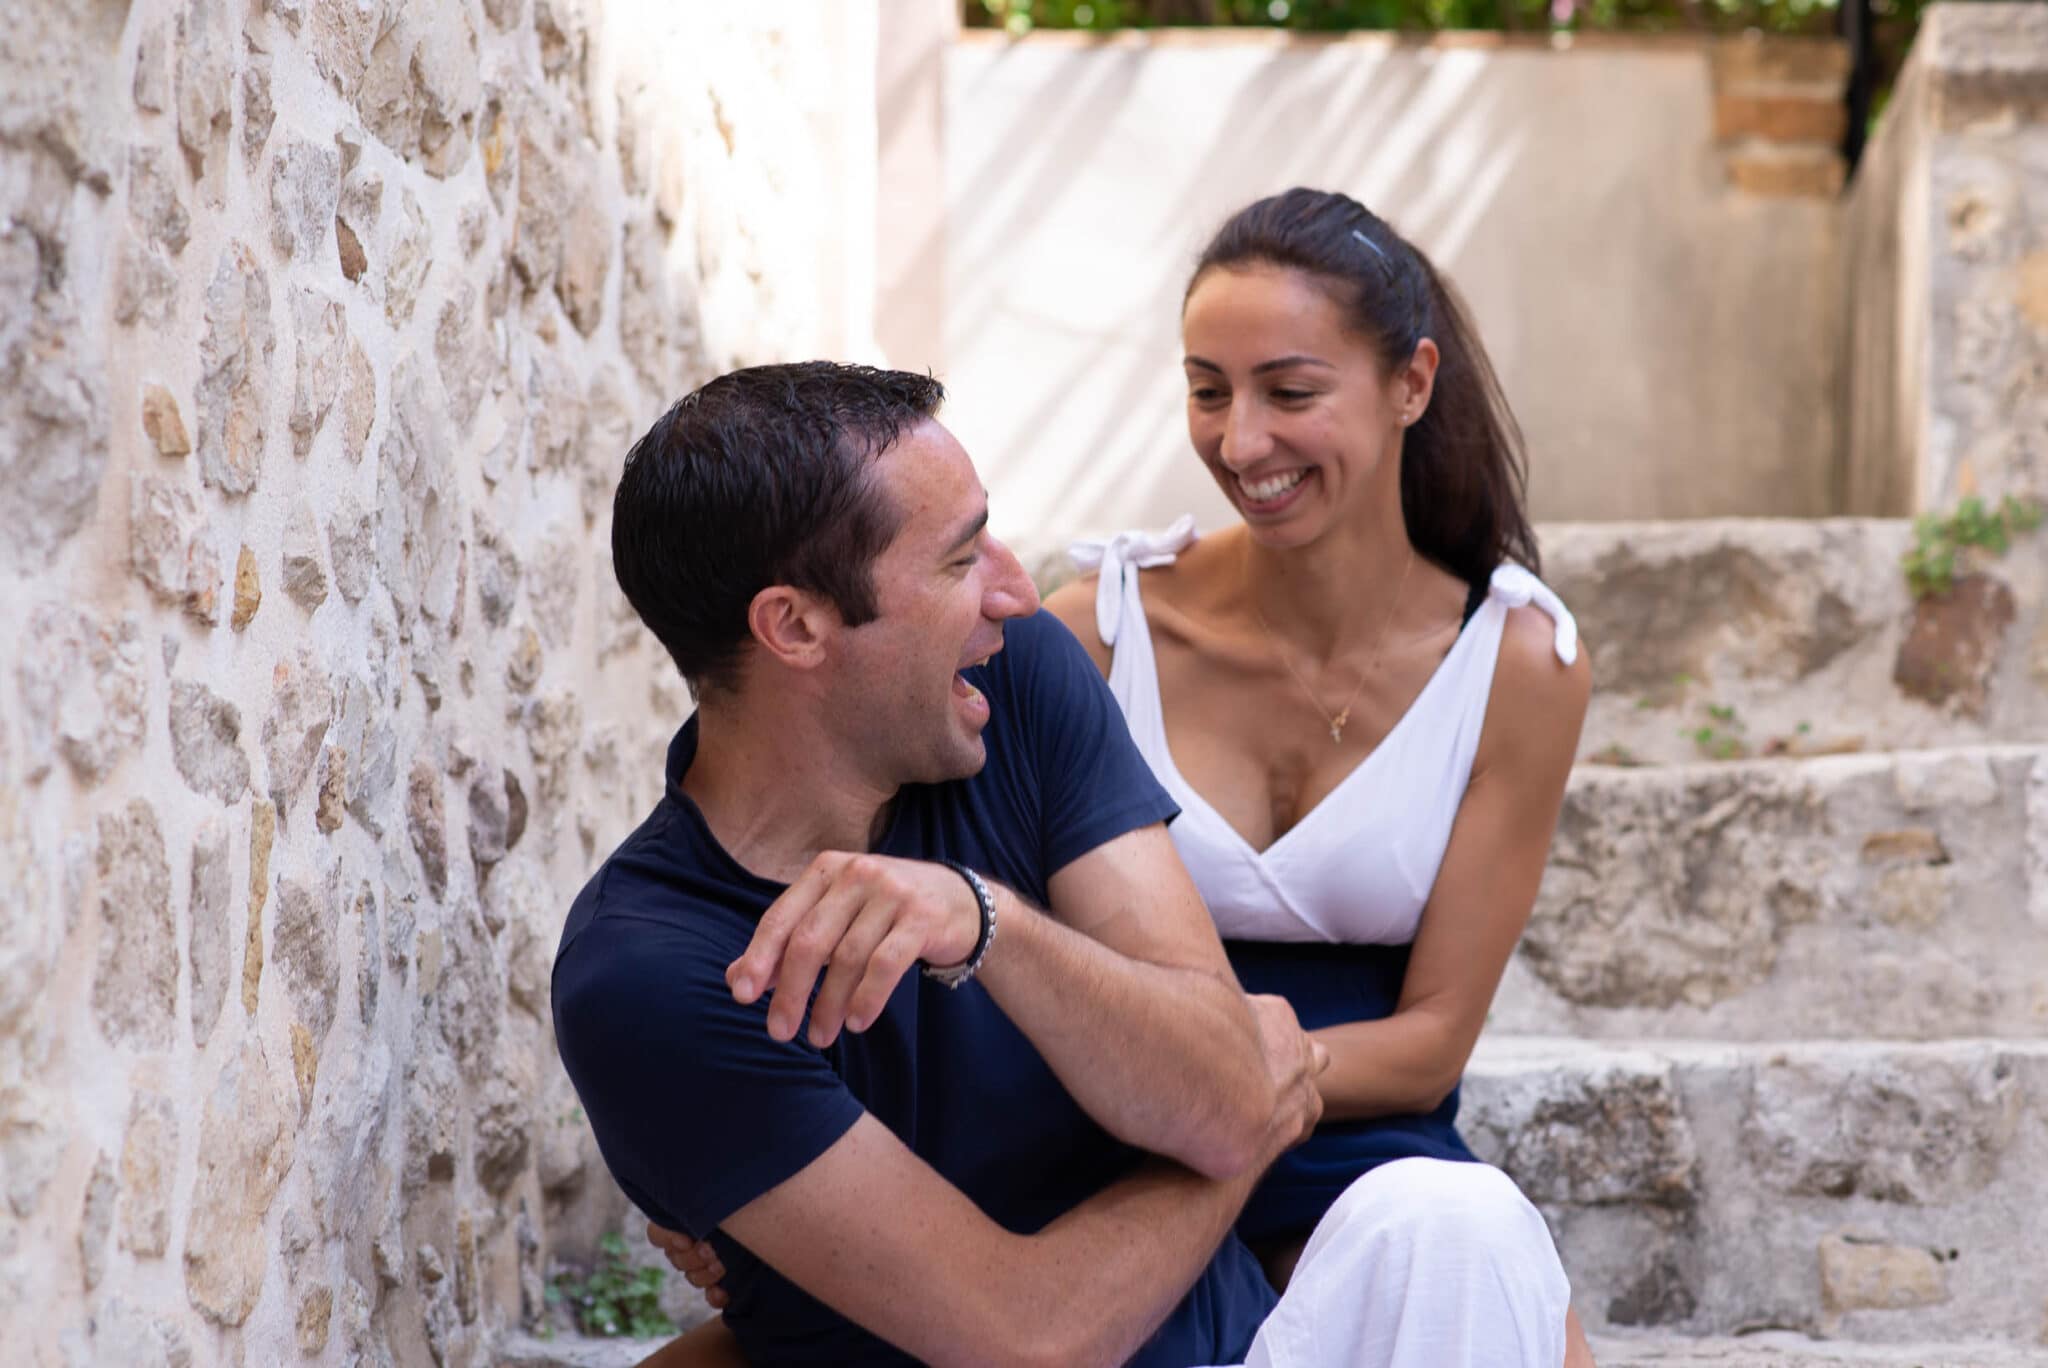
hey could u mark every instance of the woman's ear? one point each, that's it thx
(1415, 382)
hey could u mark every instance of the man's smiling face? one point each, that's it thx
(943, 587)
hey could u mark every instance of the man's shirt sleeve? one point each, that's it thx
(696, 1108)
(1094, 784)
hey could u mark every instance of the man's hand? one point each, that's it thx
(696, 1260)
(862, 921)
(1294, 1059)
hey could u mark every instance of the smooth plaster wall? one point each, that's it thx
(1668, 342)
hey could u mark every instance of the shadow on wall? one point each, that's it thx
(1287, 108)
(1596, 254)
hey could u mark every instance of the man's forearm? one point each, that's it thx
(1103, 1277)
(1164, 1058)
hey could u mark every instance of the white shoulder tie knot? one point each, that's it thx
(1127, 553)
(1518, 588)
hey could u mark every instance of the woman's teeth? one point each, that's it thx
(1273, 487)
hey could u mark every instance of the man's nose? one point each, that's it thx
(1010, 593)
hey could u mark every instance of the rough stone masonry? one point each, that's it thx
(326, 324)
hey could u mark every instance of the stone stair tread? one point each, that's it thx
(1786, 1349)
(1800, 632)
(566, 1349)
(1859, 1190)
(1505, 1053)
(1902, 895)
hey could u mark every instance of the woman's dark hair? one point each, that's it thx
(1463, 471)
(763, 476)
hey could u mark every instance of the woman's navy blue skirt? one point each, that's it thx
(1329, 985)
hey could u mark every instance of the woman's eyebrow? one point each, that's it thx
(1277, 363)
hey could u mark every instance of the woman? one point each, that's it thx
(1365, 706)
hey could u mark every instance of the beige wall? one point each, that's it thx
(326, 324)
(910, 201)
(1668, 340)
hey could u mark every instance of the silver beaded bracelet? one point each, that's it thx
(953, 975)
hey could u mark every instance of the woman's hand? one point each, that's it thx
(696, 1260)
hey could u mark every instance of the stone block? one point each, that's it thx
(302, 946)
(1662, 893)
(1865, 1274)
(302, 706)
(95, 1222)
(351, 545)
(149, 1164)
(204, 80)
(1782, 118)
(1612, 1131)
(305, 577)
(1892, 1128)
(1759, 60)
(262, 835)
(84, 691)
(1954, 645)
(53, 434)
(209, 909)
(170, 547)
(162, 423)
(1901, 1164)
(320, 339)
(1800, 175)
(154, 204)
(248, 588)
(305, 190)
(135, 984)
(235, 380)
(246, 1141)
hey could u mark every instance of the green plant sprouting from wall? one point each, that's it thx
(618, 1298)
(1940, 544)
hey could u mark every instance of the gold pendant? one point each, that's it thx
(1337, 725)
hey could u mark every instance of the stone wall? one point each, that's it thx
(1946, 347)
(326, 324)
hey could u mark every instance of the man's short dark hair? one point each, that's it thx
(763, 476)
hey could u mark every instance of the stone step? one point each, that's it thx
(1863, 1191)
(1782, 1349)
(567, 1349)
(1719, 637)
(1900, 896)
(1770, 1349)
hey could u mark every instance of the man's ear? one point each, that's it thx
(793, 626)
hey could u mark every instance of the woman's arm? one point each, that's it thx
(1410, 1061)
(710, 1345)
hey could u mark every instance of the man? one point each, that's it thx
(900, 996)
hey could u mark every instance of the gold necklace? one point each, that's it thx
(1342, 716)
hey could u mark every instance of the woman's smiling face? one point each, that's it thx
(1292, 411)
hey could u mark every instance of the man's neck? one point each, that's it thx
(777, 791)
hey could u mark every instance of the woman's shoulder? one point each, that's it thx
(1177, 572)
(1536, 686)
(1073, 603)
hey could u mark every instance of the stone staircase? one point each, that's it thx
(1773, 1054)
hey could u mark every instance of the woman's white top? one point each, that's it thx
(1358, 867)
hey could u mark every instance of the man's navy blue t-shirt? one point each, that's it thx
(698, 1111)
